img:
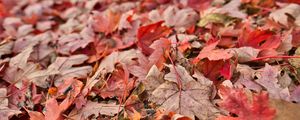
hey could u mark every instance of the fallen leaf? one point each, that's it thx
(6, 48)
(66, 70)
(268, 79)
(148, 34)
(35, 115)
(237, 102)
(259, 39)
(215, 18)
(5, 111)
(185, 101)
(245, 54)
(199, 5)
(232, 9)
(160, 52)
(69, 43)
(153, 79)
(295, 95)
(106, 21)
(180, 19)
(52, 110)
(118, 85)
(95, 108)
(246, 78)
(211, 69)
(281, 15)
(71, 88)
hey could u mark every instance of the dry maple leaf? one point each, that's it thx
(6, 48)
(69, 43)
(95, 108)
(267, 77)
(192, 100)
(153, 78)
(66, 70)
(181, 19)
(246, 78)
(282, 15)
(5, 111)
(245, 54)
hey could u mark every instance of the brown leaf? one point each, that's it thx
(193, 99)
(281, 15)
(95, 108)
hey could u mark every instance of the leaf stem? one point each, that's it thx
(267, 57)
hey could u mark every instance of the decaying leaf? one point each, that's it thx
(245, 54)
(149, 59)
(215, 18)
(66, 70)
(282, 15)
(5, 111)
(192, 99)
(268, 79)
(94, 108)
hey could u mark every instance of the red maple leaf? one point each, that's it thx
(210, 52)
(211, 69)
(237, 102)
(260, 39)
(227, 70)
(148, 34)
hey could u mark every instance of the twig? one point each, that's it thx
(267, 57)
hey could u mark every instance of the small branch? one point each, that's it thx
(178, 78)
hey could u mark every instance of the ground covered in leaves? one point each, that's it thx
(150, 59)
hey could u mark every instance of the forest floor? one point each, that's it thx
(150, 59)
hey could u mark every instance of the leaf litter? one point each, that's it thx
(149, 59)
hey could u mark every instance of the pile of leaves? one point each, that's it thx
(150, 59)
